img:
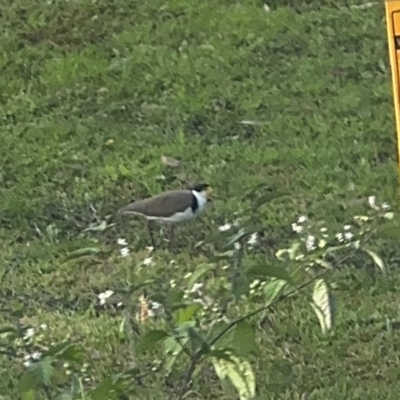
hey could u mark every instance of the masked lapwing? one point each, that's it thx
(170, 207)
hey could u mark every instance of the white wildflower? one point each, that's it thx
(172, 283)
(188, 275)
(155, 305)
(372, 202)
(385, 206)
(237, 246)
(29, 333)
(253, 239)
(36, 355)
(348, 235)
(124, 252)
(297, 228)
(323, 229)
(43, 327)
(254, 283)
(302, 219)
(310, 243)
(340, 237)
(122, 242)
(347, 227)
(120, 304)
(27, 363)
(225, 227)
(104, 296)
(196, 287)
(148, 261)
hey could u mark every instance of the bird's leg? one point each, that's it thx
(150, 226)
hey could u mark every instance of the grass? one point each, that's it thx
(94, 93)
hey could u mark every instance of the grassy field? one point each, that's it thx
(95, 93)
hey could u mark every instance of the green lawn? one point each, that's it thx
(94, 93)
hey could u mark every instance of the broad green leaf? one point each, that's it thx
(323, 305)
(44, 371)
(187, 313)
(198, 340)
(88, 251)
(150, 339)
(239, 372)
(224, 341)
(270, 270)
(39, 373)
(28, 382)
(272, 290)
(199, 271)
(377, 260)
(244, 341)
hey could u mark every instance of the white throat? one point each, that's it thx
(201, 199)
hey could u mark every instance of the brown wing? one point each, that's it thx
(162, 205)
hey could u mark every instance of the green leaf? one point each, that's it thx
(244, 341)
(150, 339)
(234, 238)
(268, 197)
(377, 260)
(198, 340)
(272, 290)
(97, 228)
(29, 395)
(226, 255)
(64, 396)
(270, 270)
(139, 285)
(240, 284)
(65, 351)
(39, 373)
(28, 382)
(186, 314)
(199, 271)
(88, 251)
(104, 391)
(239, 372)
(323, 305)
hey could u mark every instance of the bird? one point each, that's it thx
(170, 207)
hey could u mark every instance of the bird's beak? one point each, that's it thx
(208, 191)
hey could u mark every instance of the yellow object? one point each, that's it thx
(393, 31)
